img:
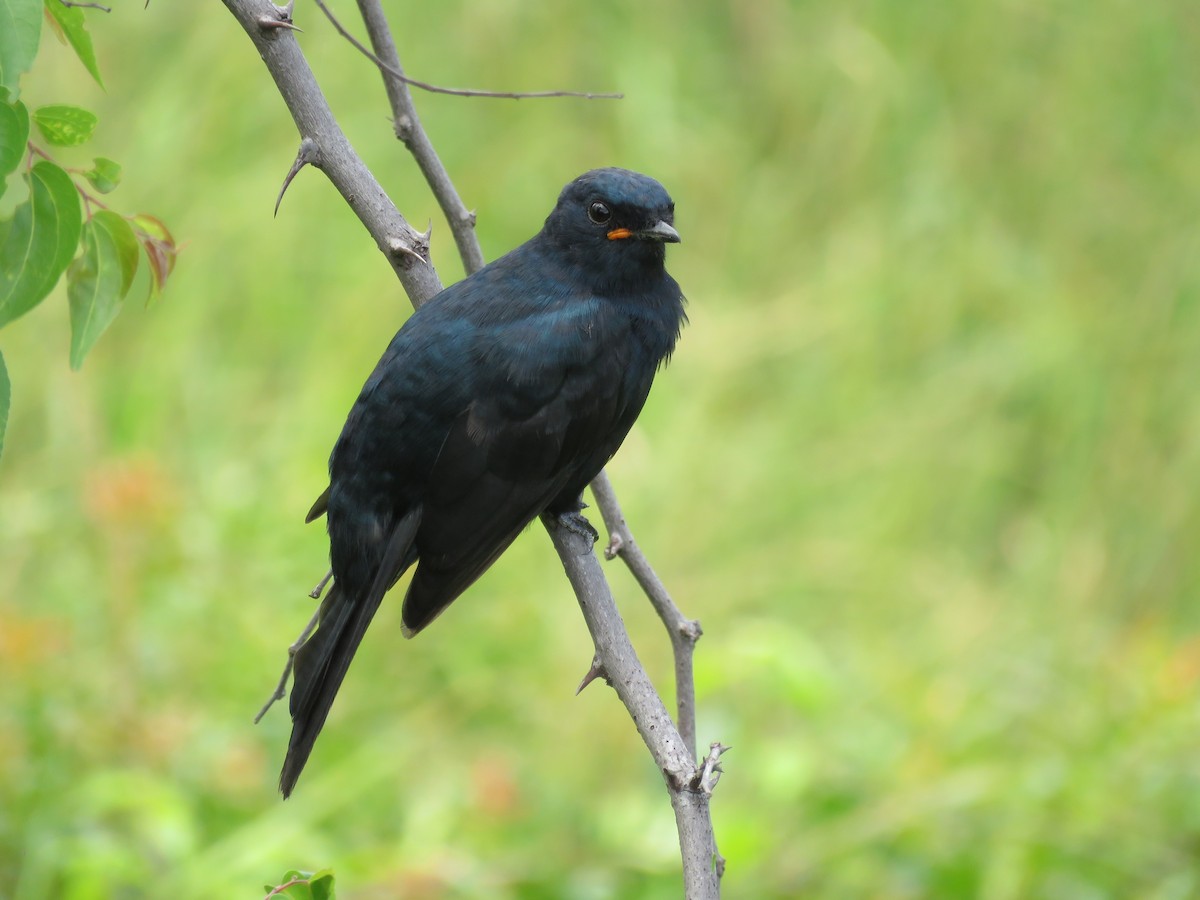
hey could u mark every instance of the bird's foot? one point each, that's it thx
(574, 522)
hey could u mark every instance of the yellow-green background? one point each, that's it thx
(925, 466)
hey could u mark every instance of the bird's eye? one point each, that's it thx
(599, 213)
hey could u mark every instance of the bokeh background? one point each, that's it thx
(925, 465)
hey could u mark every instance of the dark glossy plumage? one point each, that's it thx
(499, 399)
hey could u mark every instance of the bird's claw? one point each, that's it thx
(575, 523)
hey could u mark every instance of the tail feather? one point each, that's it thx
(322, 663)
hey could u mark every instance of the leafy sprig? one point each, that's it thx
(62, 229)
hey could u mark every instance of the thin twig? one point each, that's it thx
(281, 688)
(71, 3)
(457, 92)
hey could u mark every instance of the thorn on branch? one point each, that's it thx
(309, 153)
(416, 248)
(596, 670)
(282, 18)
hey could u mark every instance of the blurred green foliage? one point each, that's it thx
(924, 465)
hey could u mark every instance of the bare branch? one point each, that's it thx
(693, 819)
(403, 246)
(618, 657)
(683, 632)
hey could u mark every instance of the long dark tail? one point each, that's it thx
(321, 664)
(323, 661)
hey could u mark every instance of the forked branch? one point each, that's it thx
(683, 632)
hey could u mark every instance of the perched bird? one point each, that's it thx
(497, 401)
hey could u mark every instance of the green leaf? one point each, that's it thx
(297, 885)
(93, 289)
(70, 22)
(14, 134)
(5, 400)
(126, 243)
(64, 126)
(20, 30)
(104, 175)
(37, 243)
(321, 884)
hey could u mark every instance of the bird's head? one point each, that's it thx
(614, 218)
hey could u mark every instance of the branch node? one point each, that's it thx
(308, 154)
(404, 250)
(470, 218)
(403, 126)
(709, 772)
(595, 670)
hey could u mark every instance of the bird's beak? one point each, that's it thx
(659, 231)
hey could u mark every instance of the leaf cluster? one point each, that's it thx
(63, 229)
